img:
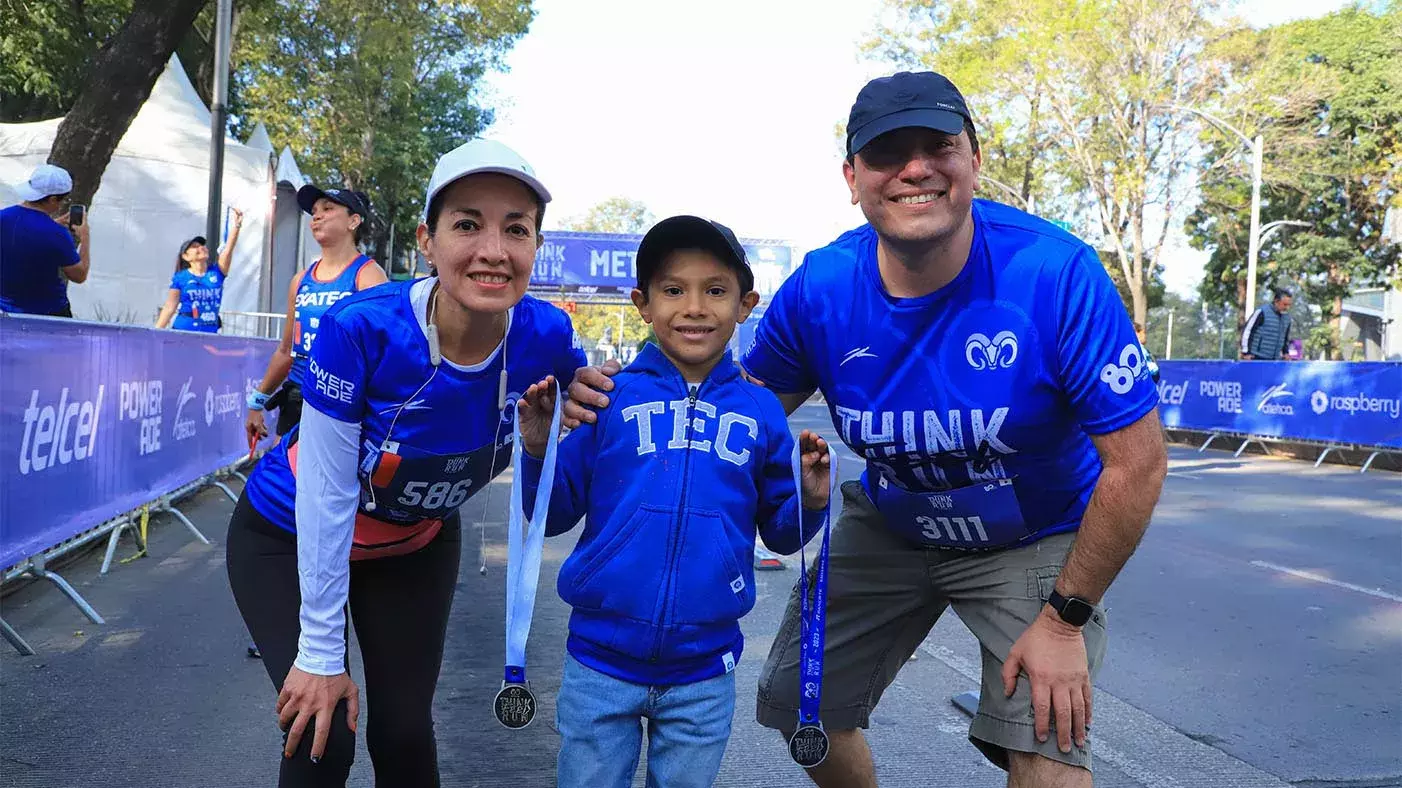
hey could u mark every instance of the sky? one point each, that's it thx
(727, 109)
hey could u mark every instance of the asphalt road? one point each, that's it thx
(1256, 640)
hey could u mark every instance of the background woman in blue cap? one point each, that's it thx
(196, 289)
(340, 218)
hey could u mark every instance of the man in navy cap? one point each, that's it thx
(981, 362)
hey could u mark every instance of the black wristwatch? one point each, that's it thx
(1073, 610)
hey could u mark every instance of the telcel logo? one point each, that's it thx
(57, 435)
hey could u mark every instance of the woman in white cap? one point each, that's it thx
(339, 219)
(196, 289)
(405, 418)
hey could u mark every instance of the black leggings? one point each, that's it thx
(288, 401)
(399, 606)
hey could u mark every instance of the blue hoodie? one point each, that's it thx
(673, 484)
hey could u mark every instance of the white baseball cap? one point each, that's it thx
(481, 155)
(46, 181)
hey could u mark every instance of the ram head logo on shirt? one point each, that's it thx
(997, 353)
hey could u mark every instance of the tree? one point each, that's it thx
(368, 96)
(114, 86)
(1085, 89)
(1327, 94)
(597, 321)
(614, 215)
(47, 49)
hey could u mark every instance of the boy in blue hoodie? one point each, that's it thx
(681, 466)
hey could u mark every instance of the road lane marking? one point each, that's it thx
(1318, 578)
(1143, 747)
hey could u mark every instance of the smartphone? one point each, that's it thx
(75, 215)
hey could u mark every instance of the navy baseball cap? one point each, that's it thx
(355, 202)
(691, 232)
(199, 239)
(921, 99)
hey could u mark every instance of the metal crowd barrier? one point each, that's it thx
(101, 423)
(267, 325)
(37, 567)
(1334, 405)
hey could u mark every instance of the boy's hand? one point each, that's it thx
(816, 466)
(534, 412)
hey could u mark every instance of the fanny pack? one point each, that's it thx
(980, 516)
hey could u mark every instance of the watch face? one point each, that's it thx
(1076, 612)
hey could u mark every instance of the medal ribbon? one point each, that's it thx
(525, 541)
(813, 617)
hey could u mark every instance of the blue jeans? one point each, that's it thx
(601, 732)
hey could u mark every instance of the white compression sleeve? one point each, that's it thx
(328, 494)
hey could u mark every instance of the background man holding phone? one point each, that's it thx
(37, 254)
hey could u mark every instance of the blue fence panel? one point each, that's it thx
(1332, 401)
(98, 419)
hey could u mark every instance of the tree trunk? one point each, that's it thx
(123, 73)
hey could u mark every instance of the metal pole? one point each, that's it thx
(1221, 332)
(1168, 344)
(1255, 242)
(218, 118)
(390, 255)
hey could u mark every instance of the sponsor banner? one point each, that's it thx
(98, 419)
(1357, 403)
(607, 264)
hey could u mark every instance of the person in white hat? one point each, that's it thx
(39, 254)
(408, 402)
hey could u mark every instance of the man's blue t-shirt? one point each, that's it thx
(33, 249)
(200, 298)
(972, 405)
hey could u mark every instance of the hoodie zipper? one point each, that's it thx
(674, 539)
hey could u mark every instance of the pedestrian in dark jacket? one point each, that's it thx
(1267, 332)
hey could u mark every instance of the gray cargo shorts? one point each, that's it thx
(885, 594)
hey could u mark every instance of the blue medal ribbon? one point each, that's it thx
(524, 543)
(813, 617)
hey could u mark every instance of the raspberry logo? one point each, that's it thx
(1319, 402)
(1120, 377)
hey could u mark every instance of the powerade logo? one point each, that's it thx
(59, 435)
(331, 386)
(1226, 392)
(1271, 403)
(1320, 403)
(140, 400)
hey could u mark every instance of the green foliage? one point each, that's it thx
(1074, 99)
(1326, 95)
(601, 321)
(45, 49)
(597, 321)
(614, 215)
(368, 96)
